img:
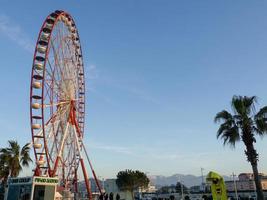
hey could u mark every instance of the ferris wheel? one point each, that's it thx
(57, 97)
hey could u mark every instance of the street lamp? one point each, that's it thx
(103, 182)
(236, 196)
(182, 188)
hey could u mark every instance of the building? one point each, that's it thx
(245, 186)
(82, 187)
(245, 182)
(111, 186)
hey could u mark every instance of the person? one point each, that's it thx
(101, 197)
(118, 197)
(111, 196)
(106, 196)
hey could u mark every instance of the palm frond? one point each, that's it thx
(223, 116)
(229, 134)
(25, 158)
(244, 105)
(260, 120)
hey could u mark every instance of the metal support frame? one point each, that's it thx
(88, 187)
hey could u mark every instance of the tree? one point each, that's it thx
(130, 180)
(243, 125)
(163, 190)
(179, 187)
(12, 159)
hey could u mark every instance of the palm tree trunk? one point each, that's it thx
(257, 181)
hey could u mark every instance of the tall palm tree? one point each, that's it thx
(12, 159)
(243, 125)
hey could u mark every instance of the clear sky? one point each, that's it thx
(157, 73)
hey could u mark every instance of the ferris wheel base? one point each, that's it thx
(33, 188)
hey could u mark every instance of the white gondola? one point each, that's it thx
(62, 18)
(41, 49)
(36, 126)
(36, 105)
(39, 66)
(40, 162)
(37, 145)
(49, 26)
(37, 85)
(44, 36)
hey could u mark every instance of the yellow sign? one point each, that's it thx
(218, 188)
(45, 181)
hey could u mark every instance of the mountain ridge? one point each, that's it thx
(188, 180)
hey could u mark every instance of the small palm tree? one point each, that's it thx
(243, 125)
(12, 159)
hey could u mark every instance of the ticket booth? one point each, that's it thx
(31, 188)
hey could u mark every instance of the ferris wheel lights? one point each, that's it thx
(36, 126)
(36, 85)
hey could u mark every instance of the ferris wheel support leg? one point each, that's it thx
(86, 179)
(76, 182)
(93, 171)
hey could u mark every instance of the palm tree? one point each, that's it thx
(12, 159)
(243, 125)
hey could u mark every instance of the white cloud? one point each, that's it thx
(15, 33)
(111, 148)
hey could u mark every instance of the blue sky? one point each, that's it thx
(157, 73)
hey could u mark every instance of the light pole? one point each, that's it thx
(202, 177)
(103, 183)
(182, 189)
(236, 195)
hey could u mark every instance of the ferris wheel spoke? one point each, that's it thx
(52, 77)
(53, 147)
(56, 61)
(46, 125)
(59, 155)
(50, 134)
(73, 62)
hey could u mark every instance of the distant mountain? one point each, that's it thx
(188, 180)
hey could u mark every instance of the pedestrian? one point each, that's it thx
(111, 196)
(106, 196)
(118, 197)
